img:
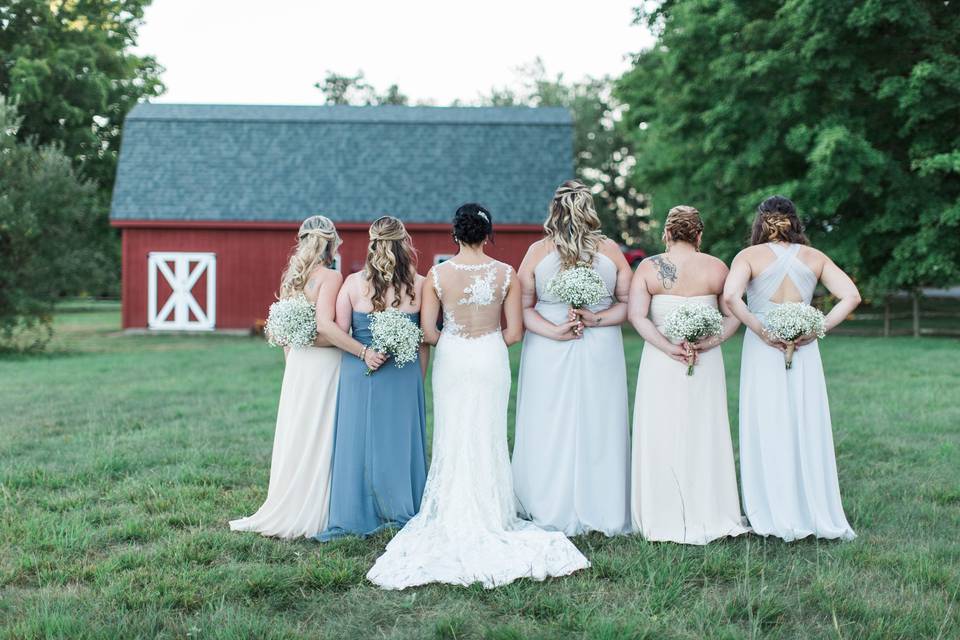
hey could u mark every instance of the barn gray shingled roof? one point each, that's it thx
(240, 162)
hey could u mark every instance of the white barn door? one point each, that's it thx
(175, 312)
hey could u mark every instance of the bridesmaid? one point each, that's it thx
(571, 453)
(379, 456)
(684, 480)
(297, 497)
(787, 464)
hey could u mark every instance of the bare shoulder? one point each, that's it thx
(612, 250)
(712, 262)
(535, 252)
(324, 275)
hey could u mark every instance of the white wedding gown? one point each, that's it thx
(467, 529)
(787, 463)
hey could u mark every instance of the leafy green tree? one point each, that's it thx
(69, 66)
(355, 90)
(603, 152)
(48, 219)
(850, 108)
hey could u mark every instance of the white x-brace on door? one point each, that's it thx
(175, 311)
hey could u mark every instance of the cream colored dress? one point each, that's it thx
(299, 494)
(684, 480)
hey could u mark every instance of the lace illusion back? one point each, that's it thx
(467, 529)
(472, 296)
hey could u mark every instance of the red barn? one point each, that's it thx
(208, 197)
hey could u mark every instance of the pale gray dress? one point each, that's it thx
(787, 464)
(572, 444)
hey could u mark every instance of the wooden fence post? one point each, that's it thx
(886, 317)
(916, 313)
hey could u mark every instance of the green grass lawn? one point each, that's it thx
(123, 457)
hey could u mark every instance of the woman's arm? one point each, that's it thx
(732, 300)
(429, 310)
(330, 323)
(532, 320)
(842, 287)
(638, 310)
(730, 321)
(513, 310)
(615, 314)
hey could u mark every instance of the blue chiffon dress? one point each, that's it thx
(379, 451)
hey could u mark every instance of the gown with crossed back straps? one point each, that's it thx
(467, 529)
(787, 463)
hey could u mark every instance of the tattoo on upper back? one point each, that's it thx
(666, 271)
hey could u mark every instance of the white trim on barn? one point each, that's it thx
(174, 313)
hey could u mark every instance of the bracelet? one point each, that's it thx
(363, 352)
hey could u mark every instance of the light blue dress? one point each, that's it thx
(379, 451)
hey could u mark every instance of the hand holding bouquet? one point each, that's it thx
(291, 322)
(792, 320)
(395, 334)
(692, 322)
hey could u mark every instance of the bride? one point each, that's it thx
(467, 529)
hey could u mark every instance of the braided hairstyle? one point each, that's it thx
(683, 224)
(777, 221)
(573, 224)
(391, 262)
(317, 244)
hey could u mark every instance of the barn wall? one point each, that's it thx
(250, 261)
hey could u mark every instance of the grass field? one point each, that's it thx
(123, 457)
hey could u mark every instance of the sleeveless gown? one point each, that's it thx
(572, 443)
(299, 491)
(787, 463)
(379, 455)
(684, 479)
(467, 530)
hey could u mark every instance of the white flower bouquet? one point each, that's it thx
(579, 286)
(692, 322)
(291, 323)
(791, 320)
(395, 334)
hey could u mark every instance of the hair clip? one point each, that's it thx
(483, 215)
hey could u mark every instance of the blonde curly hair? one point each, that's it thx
(391, 262)
(317, 244)
(573, 224)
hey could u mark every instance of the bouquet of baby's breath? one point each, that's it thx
(395, 334)
(791, 320)
(579, 286)
(692, 322)
(291, 323)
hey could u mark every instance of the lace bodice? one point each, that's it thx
(786, 265)
(471, 296)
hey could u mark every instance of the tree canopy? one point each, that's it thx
(69, 66)
(852, 109)
(48, 232)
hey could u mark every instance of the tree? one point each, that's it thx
(851, 108)
(69, 66)
(603, 153)
(354, 90)
(47, 220)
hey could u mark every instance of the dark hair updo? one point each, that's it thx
(472, 224)
(683, 224)
(777, 221)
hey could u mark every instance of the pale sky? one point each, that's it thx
(273, 51)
